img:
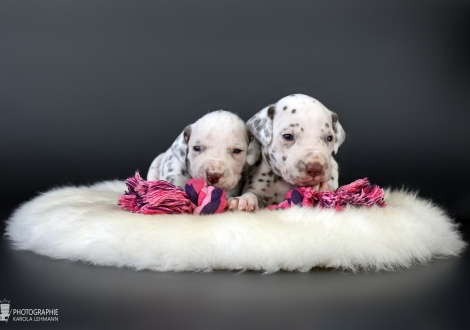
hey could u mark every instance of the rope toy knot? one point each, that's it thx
(162, 197)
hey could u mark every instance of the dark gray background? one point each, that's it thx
(93, 90)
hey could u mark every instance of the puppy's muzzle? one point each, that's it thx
(314, 169)
(213, 177)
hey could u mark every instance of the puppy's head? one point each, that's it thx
(216, 148)
(298, 135)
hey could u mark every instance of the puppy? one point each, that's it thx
(215, 148)
(298, 135)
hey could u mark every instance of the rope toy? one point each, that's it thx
(358, 193)
(162, 197)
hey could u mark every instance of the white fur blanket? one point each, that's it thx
(85, 223)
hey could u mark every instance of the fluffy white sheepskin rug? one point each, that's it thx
(85, 223)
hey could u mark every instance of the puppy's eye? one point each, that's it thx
(236, 151)
(329, 138)
(197, 148)
(288, 137)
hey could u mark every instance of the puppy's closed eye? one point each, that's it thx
(236, 151)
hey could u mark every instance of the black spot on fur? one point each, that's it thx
(260, 180)
(258, 162)
(327, 125)
(285, 108)
(302, 129)
(293, 111)
(263, 189)
(168, 178)
(187, 133)
(261, 201)
(184, 172)
(263, 174)
(268, 160)
(334, 120)
(267, 132)
(332, 178)
(170, 170)
(182, 152)
(284, 158)
(271, 111)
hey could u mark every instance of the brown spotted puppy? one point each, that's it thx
(298, 135)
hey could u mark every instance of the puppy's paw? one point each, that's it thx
(246, 203)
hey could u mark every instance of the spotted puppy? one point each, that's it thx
(298, 135)
(215, 148)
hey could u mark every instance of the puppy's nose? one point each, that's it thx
(213, 177)
(314, 169)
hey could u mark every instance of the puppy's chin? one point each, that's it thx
(305, 181)
(225, 184)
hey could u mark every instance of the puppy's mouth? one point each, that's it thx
(221, 183)
(306, 180)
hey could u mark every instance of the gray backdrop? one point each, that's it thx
(94, 90)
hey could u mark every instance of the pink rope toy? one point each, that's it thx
(162, 197)
(358, 193)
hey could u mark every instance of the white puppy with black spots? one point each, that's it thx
(298, 135)
(215, 148)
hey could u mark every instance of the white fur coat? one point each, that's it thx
(85, 223)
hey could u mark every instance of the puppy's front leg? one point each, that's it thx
(261, 189)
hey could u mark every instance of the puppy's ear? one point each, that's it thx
(253, 151)
(261, 125)
(340, 134)
(180, 146)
